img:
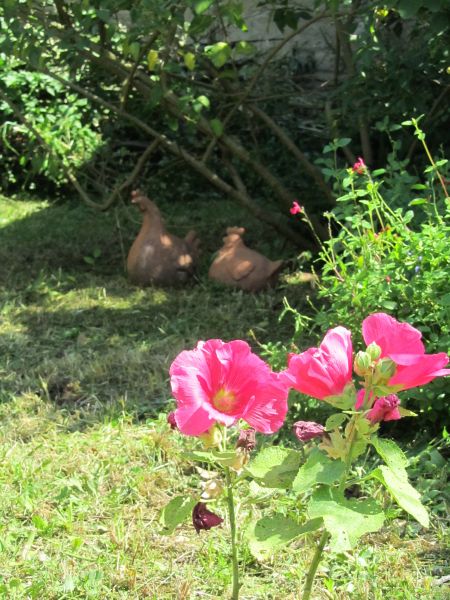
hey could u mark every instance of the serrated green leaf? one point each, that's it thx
(335, 421)
(345, 520)
(268, 534)
(392, 454)
(403, 493)
(317, 469)
(275, 467)
(175, 512)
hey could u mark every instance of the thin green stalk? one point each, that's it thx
(234, 553)
(325, 535)
(313, 566)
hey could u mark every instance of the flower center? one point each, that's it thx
(224, 400)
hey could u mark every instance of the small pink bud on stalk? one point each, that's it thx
(359, 166)
(296, 208)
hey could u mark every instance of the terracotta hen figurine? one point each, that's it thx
(157, 256)
(237, 265)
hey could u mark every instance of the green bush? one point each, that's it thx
(389, 260)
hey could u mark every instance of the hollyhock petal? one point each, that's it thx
(399, 341)
(324, 371)
(424, 370)
(267, 409)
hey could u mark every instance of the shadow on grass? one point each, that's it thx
(75, 333)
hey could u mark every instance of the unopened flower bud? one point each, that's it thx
(308, 430)
(374, 351)
(171, 420)
(202, 518)
(384, 370)
(362, 363)
(385, 409)
(211, 438)
(247, 439)
(211, 489)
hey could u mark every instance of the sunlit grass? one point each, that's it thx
(86, 463)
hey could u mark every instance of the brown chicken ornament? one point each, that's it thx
(157, 256)
(239, 266)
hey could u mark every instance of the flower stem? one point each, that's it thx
(313, 566)
(234, 554)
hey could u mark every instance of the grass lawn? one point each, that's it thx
(87, 460)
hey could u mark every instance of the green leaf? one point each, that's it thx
(175, 512)
(345, 520)
(335, 421)
(216, 126)
(225, 459)
(392, 454)
(403, 493)
(317, 469)
(202, 5)
(244, 48)
(395, 479)
(152, 59)
(189, 60)
(218, 53)
(275, 467)
(405, 412)
(268, 534)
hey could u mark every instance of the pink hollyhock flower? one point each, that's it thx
(296, 208)
(324, 371)
(359, 166)
(402, 343)
(308, 430)
(224, 382)
(202, 518)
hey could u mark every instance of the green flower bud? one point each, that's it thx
(362, 363)
(384, 370)
(374, 351)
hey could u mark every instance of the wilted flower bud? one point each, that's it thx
(384, 370)
(211, 438)
(211, 489)
(374, 351)
(202, 518)
(247, 439)
(171, 420)
(308, 430)
(362, 363)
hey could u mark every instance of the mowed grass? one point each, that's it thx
(86, 457)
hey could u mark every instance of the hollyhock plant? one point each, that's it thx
(402, 344)
(222, 382)
(323, 371)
